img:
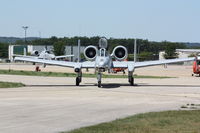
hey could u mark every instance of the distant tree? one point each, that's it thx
(53, 39)
(19, 42)
(3, 50)
(82, 57)
(170, 50)
(59, 48)
(193, 55)
(144, 56)
(143, 45)
(130, 57)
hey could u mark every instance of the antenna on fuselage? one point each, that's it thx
(79, 45)
(135, 50)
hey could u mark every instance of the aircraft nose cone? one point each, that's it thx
(101, 63)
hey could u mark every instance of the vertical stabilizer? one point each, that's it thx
(135, 50)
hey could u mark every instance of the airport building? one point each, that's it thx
(182, 53)
(28, 49)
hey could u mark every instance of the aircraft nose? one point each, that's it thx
(101, 63)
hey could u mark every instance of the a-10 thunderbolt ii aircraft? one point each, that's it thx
(101, 61)
(45, 54)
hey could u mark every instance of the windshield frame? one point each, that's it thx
(102, 52)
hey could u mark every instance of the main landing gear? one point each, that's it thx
(131, 78)
(79, 77)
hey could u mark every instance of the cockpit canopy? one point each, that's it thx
(103, 43)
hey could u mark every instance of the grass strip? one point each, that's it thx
(10, 85)
(158, 122)
(59, 74)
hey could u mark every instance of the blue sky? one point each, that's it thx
(158, 20)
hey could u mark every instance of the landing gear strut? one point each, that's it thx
(78, 78)
(99, 75)
(131, 78)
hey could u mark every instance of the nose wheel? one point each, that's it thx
(131, 81)
(78, 78)
(99, 84)
(77, 81)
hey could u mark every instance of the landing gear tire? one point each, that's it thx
(99, 84)
(77, 81)
(124, 72)
(132, 81)
(99, 79)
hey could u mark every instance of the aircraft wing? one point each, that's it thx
(87, 64)
(160, 62)
(17, 55)
(125, 64)
(122, 64)
(63, 56)
(48, 62)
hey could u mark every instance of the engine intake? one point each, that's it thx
(90, 53)
(120, 53)
(35, 53)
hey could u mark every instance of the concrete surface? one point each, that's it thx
(171, 70)
(51, 105)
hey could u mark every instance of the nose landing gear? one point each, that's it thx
(99, 76)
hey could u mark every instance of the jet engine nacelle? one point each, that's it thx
(120, 53)
(90, 53)
(35, 53)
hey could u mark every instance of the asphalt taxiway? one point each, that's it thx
(54, 104)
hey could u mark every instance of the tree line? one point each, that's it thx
(147, 50)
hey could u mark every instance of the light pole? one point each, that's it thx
(135, 50)
(25, 29)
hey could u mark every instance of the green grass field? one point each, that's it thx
(58, 74)
(10, 85)
(158, 122)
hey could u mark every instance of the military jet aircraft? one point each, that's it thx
(45, 54)
(100, 60)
